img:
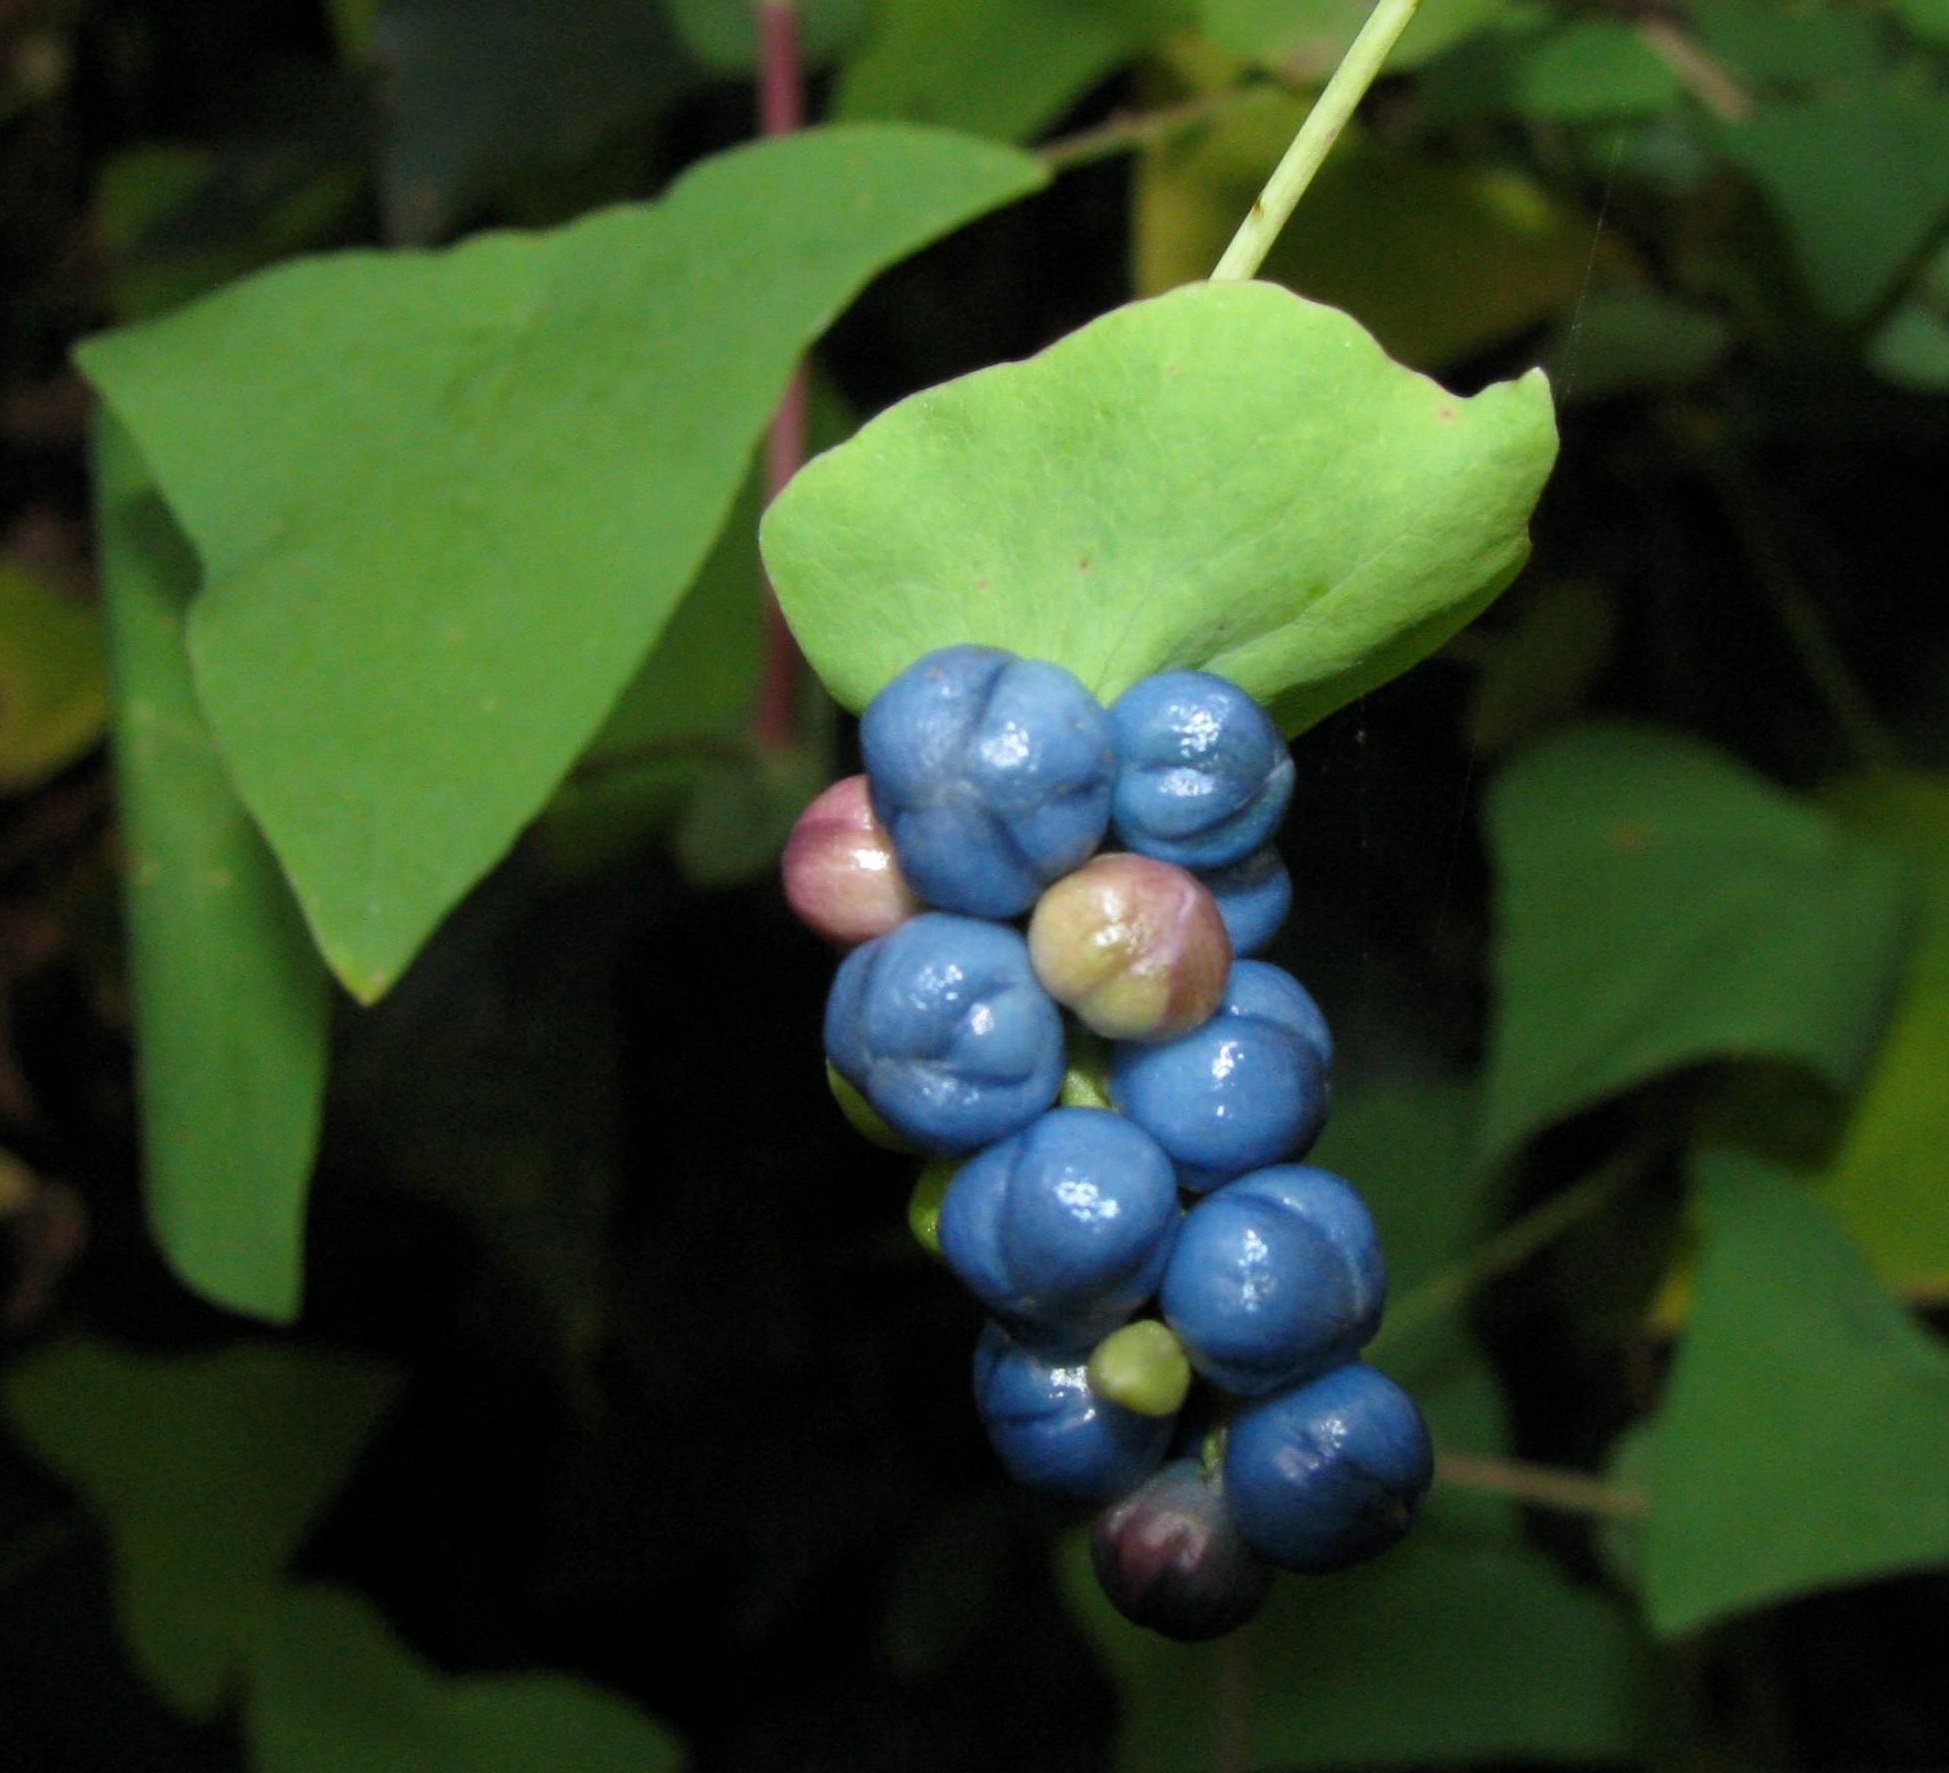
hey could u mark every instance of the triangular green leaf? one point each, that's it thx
(208, 1470)
(1889, 1178)
(1003, 68)
(332, 1690)
(1805, 1435)
(232, 1007)
(1660, 905)
(445, 501)
(1225, 476)
(1860, 184)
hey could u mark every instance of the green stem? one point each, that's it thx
(1542, 1486)
(1510, 1248)
(1274, 206)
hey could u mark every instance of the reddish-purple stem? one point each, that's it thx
(781, 109)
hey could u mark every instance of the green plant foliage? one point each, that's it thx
(231, 1003)
(1889, 1178)
(1791, 45)
(1912, 346)
(1860, 184)
(1536, 671)
(1542, 70)
(1629, 340)
(478, 89)
(1699, 912)
(723, 34)
(1243, 476)
(1464, 1644)
(1806, 1429)
(53, 680)
(419, 603)
(1004, 68)
(1438, 262)
(1926, 19)
(1312, 35)
(332, 1690)
(208, 1471)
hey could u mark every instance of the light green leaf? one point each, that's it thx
(231, 1004)
(446, 501)
(53, 680)
(1889, 1178)
(1659, 906)
(332, 1690)
(1310, 36)
(1806, 1429)
(1859, 183)
(1225, 476)
(1005, 68)
(208, 1470)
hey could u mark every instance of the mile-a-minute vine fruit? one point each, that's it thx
(1074, 1193)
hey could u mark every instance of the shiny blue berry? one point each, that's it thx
(1253, 897)
(942, 1026)
(991, 774)
(1063, 1230)
(1275, 1278)
(1244, 1090)
(1170, 1557)
(1054, 1433)
(1330, 1472)
(1204, 776)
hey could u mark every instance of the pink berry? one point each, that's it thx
(1136, 947)
(841, 876)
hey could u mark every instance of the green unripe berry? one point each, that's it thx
(924, 1204)
(1143, 1368)
(867, 1120)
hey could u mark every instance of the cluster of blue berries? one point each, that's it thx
(1116, 1103)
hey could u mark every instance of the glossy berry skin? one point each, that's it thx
(1170, 1557)
(1051, 1431)
(1275, 1278)
(942, 1027)
(1253, 898)
(1204, 776)
(1063, 1230)
(1137, 948)
(1246, 1089)
(1328, 1473)
(992, 774)
(841, 875)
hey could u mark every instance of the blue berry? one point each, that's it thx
(1253, 898)
(1275, 1278)
(1329, 1473)
(1054, 1433)
(1246, 1089)
(1204, 774)
(1063, 1229)
(941, 1025)
(1170, 1557)
(992, 775)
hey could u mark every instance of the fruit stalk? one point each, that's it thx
(1338, 100)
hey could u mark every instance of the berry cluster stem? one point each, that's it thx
(781, 111)
(1338, 100)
